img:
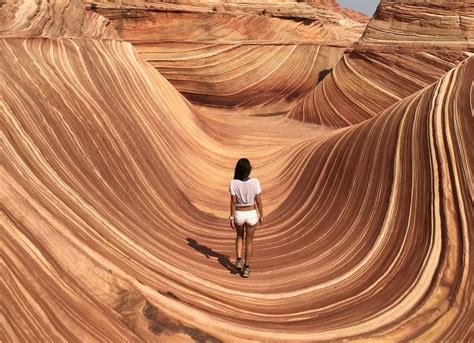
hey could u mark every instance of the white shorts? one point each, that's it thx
(246, 217)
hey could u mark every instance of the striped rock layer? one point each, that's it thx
(333, 5)
(114, 197)
(52, 19)
(365, 83)
(405, 47)
(315, 10)
(236, 55)
(416, 21)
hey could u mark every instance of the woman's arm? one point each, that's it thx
(258, 200)
(232, 211)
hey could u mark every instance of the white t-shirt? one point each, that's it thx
(245, 191)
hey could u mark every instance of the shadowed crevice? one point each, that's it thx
(323, 74)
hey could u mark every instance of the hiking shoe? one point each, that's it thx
(246, 272)
(238, 264)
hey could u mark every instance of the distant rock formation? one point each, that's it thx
(354, 15)
(334, 5)
(289, 43)
(329, 3)
(58, 19)
(406, 47)
(450, 22)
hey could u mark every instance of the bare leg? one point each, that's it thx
(239, 240)
(249, 243)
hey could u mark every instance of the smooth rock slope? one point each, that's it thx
(406, 46)
(114, 202)
(261, 56)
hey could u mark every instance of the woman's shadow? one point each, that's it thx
(208, 252)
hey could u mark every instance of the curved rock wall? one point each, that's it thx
(236, 55)
(405, 47)
(57, 19)
(410, 21)
(365, 83)
(114, 202)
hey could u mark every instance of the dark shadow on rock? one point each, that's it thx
(208, 252)
(159, 323)
(323, 74)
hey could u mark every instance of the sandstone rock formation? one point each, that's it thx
(365, 83)
(329, 3)
(352, 14)
(236, 54)
(405, 47)
(43, 19)
(114, 203)
(415, 21)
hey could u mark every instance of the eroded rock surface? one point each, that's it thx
(114, 200)
(261, 56)
(406, 47)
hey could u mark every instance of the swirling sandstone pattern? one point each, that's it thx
(52, 19)
(366, 82)
(416, 21)
(285, 9)
(267, 77)
(405, 47)
(333, 5)
(113, 193)
(233, 56)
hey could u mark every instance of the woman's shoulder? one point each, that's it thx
(252, 179)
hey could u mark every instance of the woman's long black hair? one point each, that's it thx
(242, 169)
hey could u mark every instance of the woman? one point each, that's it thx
(244, 203)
